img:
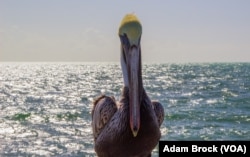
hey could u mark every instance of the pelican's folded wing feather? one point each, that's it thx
(103, 109)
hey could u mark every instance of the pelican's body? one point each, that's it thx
(130, 127)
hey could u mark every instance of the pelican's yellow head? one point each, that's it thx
(131, 26)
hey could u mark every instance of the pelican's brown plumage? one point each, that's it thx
(130, 127)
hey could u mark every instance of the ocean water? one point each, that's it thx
(45, 107)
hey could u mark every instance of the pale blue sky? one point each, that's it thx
(78, 30)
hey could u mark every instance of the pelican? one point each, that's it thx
(131, 126)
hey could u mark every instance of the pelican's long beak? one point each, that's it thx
(135, 89)
(131, 66)
(130, 33)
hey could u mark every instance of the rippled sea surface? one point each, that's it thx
(45, 107)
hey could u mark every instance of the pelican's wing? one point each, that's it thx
(159, 111)
(103, 109)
